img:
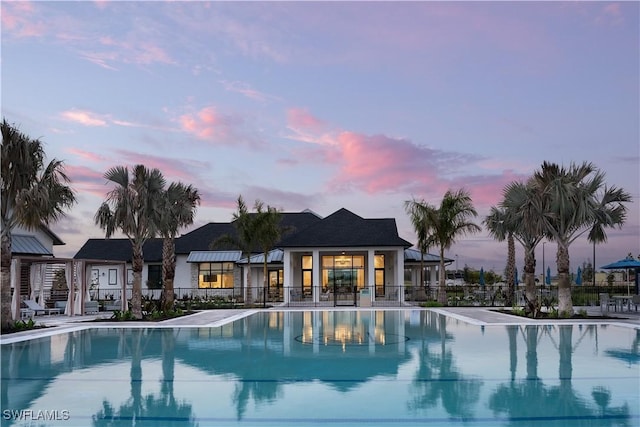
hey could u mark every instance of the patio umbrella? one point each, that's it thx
(481, 276)
(625, 264)
(547, 279)
(579, 277)
(515, 278)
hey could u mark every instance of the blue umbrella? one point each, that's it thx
(481, 276)
(579, 277)
(547, 279)
(515, 279)
(623, 264)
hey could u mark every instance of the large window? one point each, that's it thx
(378, 263)
(343, 272)
(215, 275)
(307, 273)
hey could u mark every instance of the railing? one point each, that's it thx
(467, 295)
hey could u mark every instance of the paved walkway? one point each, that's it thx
(210, 318)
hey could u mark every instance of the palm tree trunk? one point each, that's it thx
(442, 287)
(5, 270)
(136, 294)
(511, 263)
(530, 281)
(249, 294)
(168, 273)
(565, 305)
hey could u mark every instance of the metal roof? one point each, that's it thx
(27, 245)
(214, 256)
(413, 255)
(275, 255)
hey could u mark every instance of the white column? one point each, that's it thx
(317, 267)
(286, 264)
(371, 273)
(400, 273)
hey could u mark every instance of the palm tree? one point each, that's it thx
(32, 194)
(245, 238)
(447, 223)
(420, 221)
(132, 207)
(522, 202)
(179, 206)
(501, 226)
(267, 232)
(575, 200)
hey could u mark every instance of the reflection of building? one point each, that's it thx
(319, 260)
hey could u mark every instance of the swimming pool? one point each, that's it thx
(348, 368)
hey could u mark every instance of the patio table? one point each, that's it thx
(623, 300)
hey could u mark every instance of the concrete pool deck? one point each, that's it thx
(486, 316)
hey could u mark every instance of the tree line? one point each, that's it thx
(556, 203)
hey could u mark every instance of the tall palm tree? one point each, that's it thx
(178, 210)
(267, 232)
(32, 194)
(574, 201)
(447, 222)
(420, 221)
(245, 239)
(132, 207)
(522, 202)
(501, 226)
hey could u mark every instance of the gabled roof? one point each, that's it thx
(27, 245)
(343, 228)
(201, 238)
(119, 250)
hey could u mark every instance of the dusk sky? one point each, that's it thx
(329, 105)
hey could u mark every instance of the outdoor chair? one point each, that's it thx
(606, 302)
(37, 308)
(635, 300)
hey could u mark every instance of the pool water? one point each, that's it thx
(342, 368)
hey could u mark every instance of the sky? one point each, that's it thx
(325, 105)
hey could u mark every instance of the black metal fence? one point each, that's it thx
(467, 295)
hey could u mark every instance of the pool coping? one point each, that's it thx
(215, 318)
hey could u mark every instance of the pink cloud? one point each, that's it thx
(301, 119)
(87, 155)
(19, 20)
(86, 118)
(208, 124)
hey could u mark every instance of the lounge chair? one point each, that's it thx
(606, 302)
(37, 308)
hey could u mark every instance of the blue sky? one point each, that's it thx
(329, 105)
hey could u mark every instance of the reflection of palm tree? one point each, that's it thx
(438, 378)
(530, 399)
(150, 409)
(251, 385)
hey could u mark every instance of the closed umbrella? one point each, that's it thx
(481, 276)
(579, 277)
(547, 279)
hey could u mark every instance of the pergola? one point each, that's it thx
(77, 277)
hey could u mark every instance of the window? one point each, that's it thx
(113, 276)
(307, 273)
(343, 271)
(154, 276)
(378, 263)
(215, 275)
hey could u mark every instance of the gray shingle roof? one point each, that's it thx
(343, 228)
(119, 250)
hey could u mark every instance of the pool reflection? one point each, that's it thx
(367, 366)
